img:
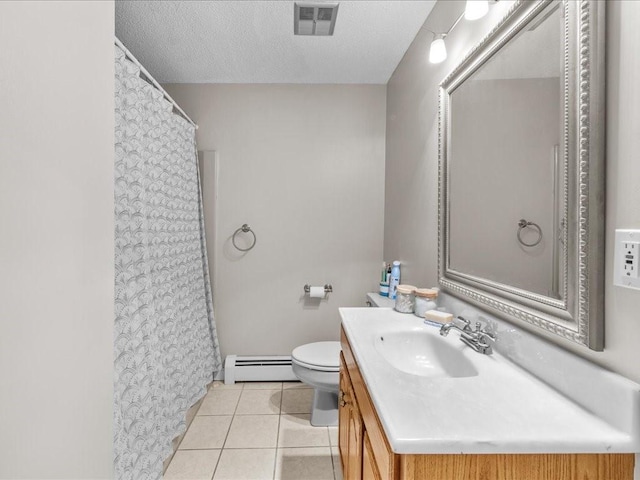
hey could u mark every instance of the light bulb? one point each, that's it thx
(476, 9)
(438, 50)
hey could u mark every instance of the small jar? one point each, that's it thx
(405, 298)
(425, 301)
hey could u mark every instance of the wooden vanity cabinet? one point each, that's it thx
(373, 456)
(356, 452)
(369, 466)
(351, 427)
(367, 455)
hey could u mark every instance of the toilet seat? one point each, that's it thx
(321, 356)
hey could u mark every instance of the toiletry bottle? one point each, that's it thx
(384, 281)
(394, 280)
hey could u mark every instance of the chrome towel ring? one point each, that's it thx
(244, 229)
(522, 224)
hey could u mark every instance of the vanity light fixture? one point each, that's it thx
(438, 49)
(474, 10)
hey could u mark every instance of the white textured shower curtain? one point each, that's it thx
(166, 348)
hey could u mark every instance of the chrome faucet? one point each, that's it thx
(478, 339)
(444, 330)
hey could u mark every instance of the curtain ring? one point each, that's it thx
(244, 229)
(522, 224)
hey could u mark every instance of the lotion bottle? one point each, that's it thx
(394, 280)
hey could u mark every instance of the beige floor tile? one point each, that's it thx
(252, 464)
(220, 402)
(259, 402)
(217, 385)
(296, 431)
(192, 465)
(337, 463)
(304, 463)
(193, 411)
(337, 469)
(206, 432)
(262, 385)
(295, 385)
(253, 431)
(297, 400)
(333, 435)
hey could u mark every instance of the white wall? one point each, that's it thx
(622, 306)
(412, 162)
(303, 165)
(56, 246)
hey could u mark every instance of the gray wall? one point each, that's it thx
(56, 247)
(504, 181)
(304, 166)
(412, 159)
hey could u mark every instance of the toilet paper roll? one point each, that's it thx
(316, 292)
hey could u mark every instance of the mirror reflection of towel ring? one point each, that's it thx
(522, 224)
(244, 229)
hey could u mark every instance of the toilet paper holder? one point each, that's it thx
(327, 288)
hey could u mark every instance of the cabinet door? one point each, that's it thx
(369, 467)
(350, 429)
(343, 418)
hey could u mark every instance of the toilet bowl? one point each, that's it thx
(318, 365)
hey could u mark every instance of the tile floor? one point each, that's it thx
(256, 431)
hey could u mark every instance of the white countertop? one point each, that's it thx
(378, 300)
(503, 409)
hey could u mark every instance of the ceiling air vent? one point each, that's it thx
(315, 18)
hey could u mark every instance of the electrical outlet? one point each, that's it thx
(627, 259)
(630, 259)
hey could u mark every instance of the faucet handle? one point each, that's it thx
(484, 336)
(465, 322)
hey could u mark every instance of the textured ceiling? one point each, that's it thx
(253, 41)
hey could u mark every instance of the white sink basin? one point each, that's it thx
(436, 395)
(419, 353)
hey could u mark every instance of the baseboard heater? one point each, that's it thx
(272, 368)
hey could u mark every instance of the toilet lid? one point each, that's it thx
(318, 356)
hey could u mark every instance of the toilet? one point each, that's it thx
(318, 365)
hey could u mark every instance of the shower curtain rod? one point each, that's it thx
(153, 80)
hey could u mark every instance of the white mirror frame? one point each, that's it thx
(579, 314)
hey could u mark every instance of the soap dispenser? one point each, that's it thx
(394, 280)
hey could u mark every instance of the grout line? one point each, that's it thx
(302, 446)
(197, 449)
(235, 412)
(246, 448)
(218, 461)
(197, 406)
(277, 447)
(333, 465)
(275, 459)
(228, 431)
(256, 448)
(233, 417)
(244, 414)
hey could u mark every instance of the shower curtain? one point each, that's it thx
(165, 343)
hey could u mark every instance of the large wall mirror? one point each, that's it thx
(522, 170)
